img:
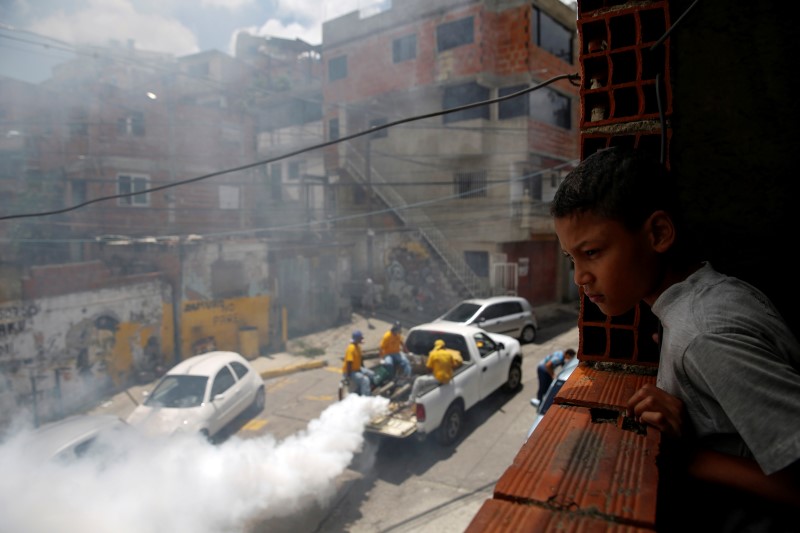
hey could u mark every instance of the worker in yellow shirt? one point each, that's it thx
(393, 350)
(353, 367)
(442, 361)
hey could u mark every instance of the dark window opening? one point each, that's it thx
(276, 187)
(513, 107)
(551, 107)
(333, 129)
(78, 191)
(453, 34)
(294, 170)
(337, 68)
(404, 48)
(359, 195)
(380, 133)
(292, 113)
(459, 95)
(478, 262)
(552, 36)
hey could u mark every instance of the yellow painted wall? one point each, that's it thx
(167, 333)
(215, 324)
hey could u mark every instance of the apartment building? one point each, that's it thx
(453, 182)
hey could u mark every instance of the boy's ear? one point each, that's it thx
(662, 231)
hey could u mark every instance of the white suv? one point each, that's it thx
(509, 315)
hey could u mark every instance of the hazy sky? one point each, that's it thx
(183, 484)
(180, 27)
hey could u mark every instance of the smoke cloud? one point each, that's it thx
(181, 483)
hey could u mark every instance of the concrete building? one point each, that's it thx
(468, 186)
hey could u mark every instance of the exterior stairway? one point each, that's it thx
(414, 216)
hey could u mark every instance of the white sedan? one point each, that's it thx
(201, 394)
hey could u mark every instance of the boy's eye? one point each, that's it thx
(568, 256)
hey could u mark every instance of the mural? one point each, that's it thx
(415, 282)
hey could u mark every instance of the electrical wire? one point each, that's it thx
(344, 218)
(296, 152)
(661, 118)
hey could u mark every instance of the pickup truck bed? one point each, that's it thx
(491, 361)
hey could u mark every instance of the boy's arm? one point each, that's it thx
(658, 408)
(745, 475)
(667, 413)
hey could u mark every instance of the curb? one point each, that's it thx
(293, 368)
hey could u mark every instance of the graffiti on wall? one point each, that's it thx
(56, 356)
(414, 280)
(224, 324)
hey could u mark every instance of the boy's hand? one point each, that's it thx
(657, 408)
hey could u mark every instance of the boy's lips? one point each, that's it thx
(594, 298)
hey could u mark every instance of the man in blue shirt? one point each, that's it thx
(547, 371)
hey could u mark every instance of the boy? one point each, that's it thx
(729, 372)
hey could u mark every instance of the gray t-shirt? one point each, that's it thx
(728, 354)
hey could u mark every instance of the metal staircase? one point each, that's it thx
(415, 217)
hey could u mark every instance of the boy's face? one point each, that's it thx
(616, 267)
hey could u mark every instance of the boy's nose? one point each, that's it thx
(581, 276)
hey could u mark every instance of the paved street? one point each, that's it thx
(411, 486)
(390, 485)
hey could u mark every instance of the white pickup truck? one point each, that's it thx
(491, 361)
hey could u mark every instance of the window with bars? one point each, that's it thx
(470, 184)
(129, 184)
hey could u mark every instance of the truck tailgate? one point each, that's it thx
(399, 424)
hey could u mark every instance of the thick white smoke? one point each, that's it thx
(182, 483)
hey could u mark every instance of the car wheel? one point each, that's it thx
(528, 335)
(451, 425)
(259, 401)
(514, 380)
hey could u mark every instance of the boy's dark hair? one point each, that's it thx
(570, 352)
(617, 183)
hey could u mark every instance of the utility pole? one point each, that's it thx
(370, 232)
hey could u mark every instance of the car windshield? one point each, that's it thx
(178, 392)
(462, 312)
